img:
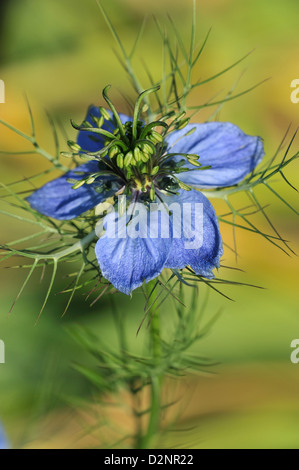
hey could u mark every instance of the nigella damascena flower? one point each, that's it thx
(130, 158)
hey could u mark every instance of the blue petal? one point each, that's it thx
(230, 152)
(59, 200)
(199, 243)
(92, 142)
(128, 261)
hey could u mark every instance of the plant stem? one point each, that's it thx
(146, 440)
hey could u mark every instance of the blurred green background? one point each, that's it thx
(60, 53)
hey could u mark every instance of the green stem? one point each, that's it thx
(223, 193)
(146, 441)
(78, 246)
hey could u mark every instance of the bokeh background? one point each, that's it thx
(60, 53)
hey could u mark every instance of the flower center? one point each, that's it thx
(134, 153)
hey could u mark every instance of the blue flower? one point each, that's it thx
(130, 158)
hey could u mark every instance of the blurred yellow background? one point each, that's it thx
(60, 53)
